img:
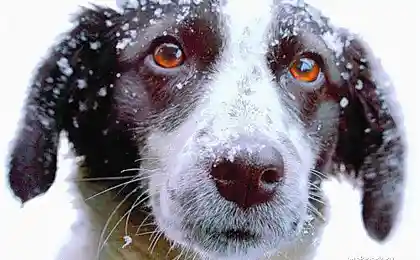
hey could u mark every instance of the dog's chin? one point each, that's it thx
(217, 242)
(234, 243)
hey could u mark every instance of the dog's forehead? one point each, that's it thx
(234, 14)
(251, 24)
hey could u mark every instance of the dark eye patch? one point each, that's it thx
(301, 75)
(171, 66)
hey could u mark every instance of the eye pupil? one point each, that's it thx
(305, 69)
(305, 65)
(168, 55)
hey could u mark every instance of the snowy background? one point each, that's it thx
(28, 28)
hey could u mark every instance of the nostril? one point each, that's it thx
(271, 175)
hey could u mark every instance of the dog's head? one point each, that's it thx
(241, 110)
(250, 110)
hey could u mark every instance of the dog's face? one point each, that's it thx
(243, 110)
(238, 110)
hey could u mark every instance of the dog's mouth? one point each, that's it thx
(230, 235)
(238, 235)
(219, 243)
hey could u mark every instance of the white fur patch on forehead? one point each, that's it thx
(242, 86)
(247, 22)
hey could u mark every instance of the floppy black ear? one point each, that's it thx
(371, 137)
(75, 70)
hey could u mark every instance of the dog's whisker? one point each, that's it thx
(171, 247)
(103, 241)
(317, 200)
(130, 170)
(316, 195)
(110, 189)
(147, 159)
(138, 178)
(194, 256)
(152, 238)
(313, 209)
(137, 202)
(155, 242)
(151, 223)
(184, 252)
(315, 187)
(105, 178)
(142, 224)
(178, 257)
(147, 233)
(140, 171)
(319, 174)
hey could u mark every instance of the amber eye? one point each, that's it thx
(305, 69)
(168, 55)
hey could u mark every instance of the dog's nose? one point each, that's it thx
(248, 182)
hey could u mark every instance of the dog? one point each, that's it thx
(217, 126)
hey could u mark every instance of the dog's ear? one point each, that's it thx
(76, 62)
(371, 140)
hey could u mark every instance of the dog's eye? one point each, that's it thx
(305, 69)
(168, 55)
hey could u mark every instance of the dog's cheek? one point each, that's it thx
(131, 101)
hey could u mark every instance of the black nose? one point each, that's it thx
(246, 181)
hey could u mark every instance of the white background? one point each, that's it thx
(28, 28)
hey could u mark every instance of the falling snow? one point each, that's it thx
(95, 45)
(81, 83)
(359, 84)
(127, 241)
(123, 43)
(82, 106)
(64, 66)
(109, 23)
(345, 75)
(158, 12)
(102, 92)
(75, 123)
(344, 102)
